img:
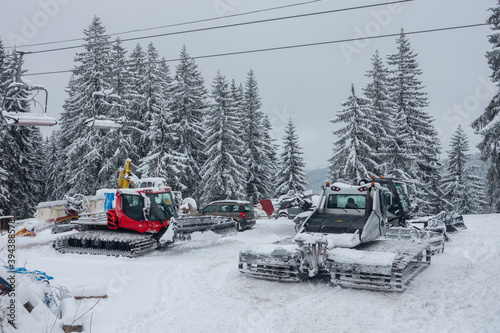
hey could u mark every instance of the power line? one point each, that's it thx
(236, 24)
(292, 46)
(175, 24)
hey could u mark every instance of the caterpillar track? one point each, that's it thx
(408, 260)
(116, 244)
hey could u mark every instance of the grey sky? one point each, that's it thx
(308, 84)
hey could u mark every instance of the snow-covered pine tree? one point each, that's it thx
(352, 153)
(4, 175)
(418, 143)
(253, 153)
(161, 159)
(464, 190)
(488, 124)
(21, 148)
(84, 149)
(188, 104)
(119, 143)
(154, 88)
(223, 172)
(270, 163)
(291, 172)
(137, 106)
(380, 111)
(50, 165)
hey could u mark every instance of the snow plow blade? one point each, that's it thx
(435, 240)
(453, 221)
(280, 263)
(388, 265)
(184, 226)
(116, 244)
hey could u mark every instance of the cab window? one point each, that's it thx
(132, 206)
(346, 201)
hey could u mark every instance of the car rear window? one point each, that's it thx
(242, 208)
(224, 208)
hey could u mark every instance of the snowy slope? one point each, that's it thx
(196, 286)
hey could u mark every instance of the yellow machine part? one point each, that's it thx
(24, 233)
(124, 180)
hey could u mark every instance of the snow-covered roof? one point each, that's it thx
(238, 202)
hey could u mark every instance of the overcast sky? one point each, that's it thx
(308, 83)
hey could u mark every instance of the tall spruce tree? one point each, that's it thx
(291, 173)
(4, 175)
(460, 185)
(118, 145)
(85, 150)
(352, 153)
(270, 163)
(418, 145)
(50, 167)
(136, 108)
(381, 113)
(223, 172)
(253, 153)
(161, 159)
(21, 176)
(488, 124)
(188, 105)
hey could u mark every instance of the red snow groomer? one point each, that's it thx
(139, 220)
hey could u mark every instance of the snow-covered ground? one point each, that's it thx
(196, 287)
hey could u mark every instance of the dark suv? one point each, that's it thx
(241, 211)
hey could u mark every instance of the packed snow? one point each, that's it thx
(196, 287)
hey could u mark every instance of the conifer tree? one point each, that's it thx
(84, 148)
(20, 166)
(460, 186)
(418, 145)
(352, 159)
(137, 106)
(270, 164)
(380, 111)
(253, 153)
(291, 173)
(50, 167)
(223, 171)
(488, 124)
(4, 175)
(188, 105)
(161, 159)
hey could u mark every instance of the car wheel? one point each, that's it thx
(283, 215)
(238, 226)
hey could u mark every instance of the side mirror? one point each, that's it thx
(147, 206)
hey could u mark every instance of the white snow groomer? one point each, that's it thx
(343, 239)
(401, 213)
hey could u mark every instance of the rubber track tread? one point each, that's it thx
(132, 245)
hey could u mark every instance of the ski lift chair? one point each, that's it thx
(106, 100)
(16, 94)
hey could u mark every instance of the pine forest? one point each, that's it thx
(211, 139)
